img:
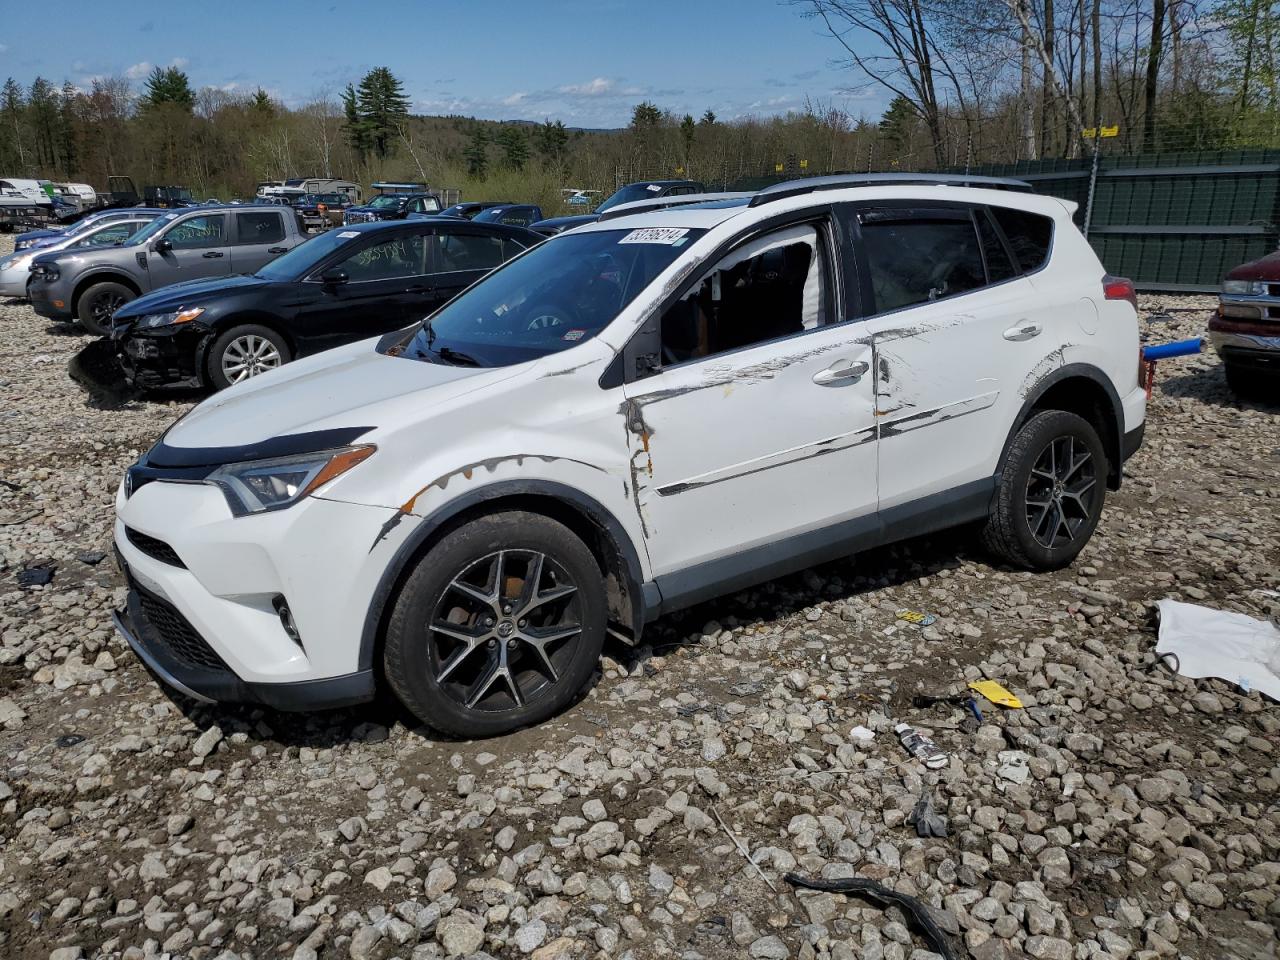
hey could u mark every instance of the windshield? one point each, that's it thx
(328, 197)
(555, 296)
(150, 230)
(385, 201)
(630, 193)
(303, 258)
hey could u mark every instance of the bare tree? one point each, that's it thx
(324, 127)
(915, 61)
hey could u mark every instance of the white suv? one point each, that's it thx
(687, 397)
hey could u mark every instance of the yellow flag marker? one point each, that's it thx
(996, 694)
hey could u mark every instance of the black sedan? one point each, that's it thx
(468, 210)
(341, 286)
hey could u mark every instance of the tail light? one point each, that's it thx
(1119, 288)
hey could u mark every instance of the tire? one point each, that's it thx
(98, 303)
(244, 352)
(1035, 472)
(454, 681)
(1252, 384)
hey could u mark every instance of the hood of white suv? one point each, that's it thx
(337, 388)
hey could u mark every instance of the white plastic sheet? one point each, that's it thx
(1218, 643)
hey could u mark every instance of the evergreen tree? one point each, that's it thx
(477, 154)
(68, 128)
(262, 105)
(382, 107)
(515, 147)
(353, 126)
(553, 140)
(645, 117)
(898, 124)
(168, 85)
(708, 119)
(688, 132)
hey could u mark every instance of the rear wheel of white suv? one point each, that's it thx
(500, 626)
(1050, 492)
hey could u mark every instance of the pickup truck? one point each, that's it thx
(190, 244)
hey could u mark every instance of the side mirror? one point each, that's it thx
(334, 278)
(162, 245)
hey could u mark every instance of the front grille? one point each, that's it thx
(153, 548)
(176, 633)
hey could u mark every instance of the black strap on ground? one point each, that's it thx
(885, 897)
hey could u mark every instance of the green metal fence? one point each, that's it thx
(1168, 221)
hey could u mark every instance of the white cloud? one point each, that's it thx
(4, 48)
(599, 87)
(514, 100)
(140, 70)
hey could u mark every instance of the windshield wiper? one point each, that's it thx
(457, 358)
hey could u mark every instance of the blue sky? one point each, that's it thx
(586, 62)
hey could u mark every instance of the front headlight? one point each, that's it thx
(261, 485)
(1245, 288)
(151, 320)
(47, 271)
(20, 262)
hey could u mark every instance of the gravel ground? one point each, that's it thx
(1123, 813)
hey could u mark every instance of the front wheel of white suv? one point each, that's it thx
(499, 626)
(1050, 492)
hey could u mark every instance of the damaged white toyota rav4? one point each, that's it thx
(687, 397)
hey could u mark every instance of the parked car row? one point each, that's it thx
(339, 287)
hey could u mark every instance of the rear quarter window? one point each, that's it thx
(1030, 236)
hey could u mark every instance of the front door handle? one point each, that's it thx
(277, 249)
(842, 371)
(212, 254)
(1023, 331)
(418, 288)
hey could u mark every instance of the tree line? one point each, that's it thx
(968, 84)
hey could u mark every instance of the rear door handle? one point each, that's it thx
(1023, 331)
(277, 249)
(842, 371)
(418, 288)
(212, 254)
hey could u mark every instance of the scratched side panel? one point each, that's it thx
(549, 421)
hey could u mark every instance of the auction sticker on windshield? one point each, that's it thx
(667, 235)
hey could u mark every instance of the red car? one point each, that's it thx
(1245, 330)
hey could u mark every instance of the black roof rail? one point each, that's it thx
(663, 203)
(840, 181)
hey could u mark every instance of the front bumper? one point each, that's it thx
(48, 301)
(211, 684)
(1252, 345)
(205, 589)
(164, 356)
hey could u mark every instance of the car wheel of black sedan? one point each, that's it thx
(99, 303)
(243, 352)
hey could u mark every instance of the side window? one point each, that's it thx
(109, 236)
(1029, 235)
(403, 256)
(195, 232)
(511, 248)
(919, 256)
(999, 266)
(259, 227)
(770, 287)
(467, 251)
